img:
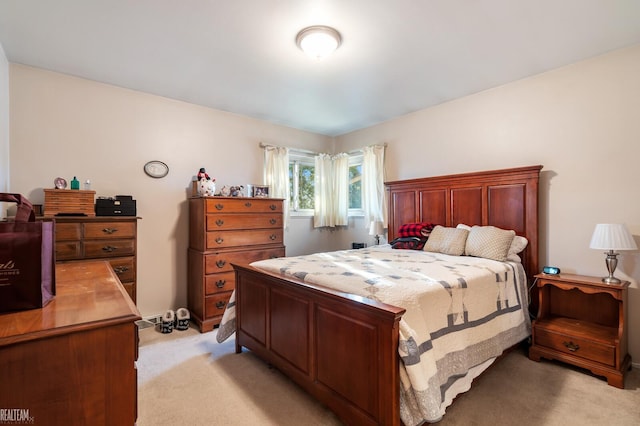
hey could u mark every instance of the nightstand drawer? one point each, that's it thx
(584, 348)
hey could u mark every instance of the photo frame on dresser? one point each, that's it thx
(259, 191)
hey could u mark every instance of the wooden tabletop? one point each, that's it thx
(88, 295)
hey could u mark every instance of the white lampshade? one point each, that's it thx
(318, 41)
(612, 236)
(376, 228)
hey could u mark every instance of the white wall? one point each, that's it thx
(66, 126)
(4, 128)
(581, 122)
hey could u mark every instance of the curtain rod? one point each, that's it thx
(306, 151)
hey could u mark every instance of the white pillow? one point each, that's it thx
(517, 245)
(447, 240)
(463, 226)
(489, 242)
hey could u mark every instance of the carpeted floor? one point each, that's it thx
(187, 378)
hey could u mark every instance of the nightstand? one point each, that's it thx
(581, 321)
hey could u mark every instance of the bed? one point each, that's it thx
(334, 332)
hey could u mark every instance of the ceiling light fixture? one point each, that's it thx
(318, 41)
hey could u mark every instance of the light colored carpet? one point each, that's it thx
(187, 378)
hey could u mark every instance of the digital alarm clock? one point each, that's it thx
(551, 270)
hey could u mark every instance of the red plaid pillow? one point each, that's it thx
(419, 229)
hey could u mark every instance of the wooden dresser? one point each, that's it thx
(101, 237)
(223, 231)
(73, 361)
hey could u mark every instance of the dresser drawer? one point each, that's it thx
(577, 346)
(243, 205)
(214, 305)
(111, 248)
(125, 268)
(222, 222)
(221, 261)
(224, 239)
(216, 283)
(101, 230)
(68, 231)
(67, 250)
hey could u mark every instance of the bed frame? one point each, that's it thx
(341, 348)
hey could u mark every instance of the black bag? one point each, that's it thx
(27, 259)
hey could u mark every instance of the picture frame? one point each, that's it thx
(260, 191)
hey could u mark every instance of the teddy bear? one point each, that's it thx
(237, 191)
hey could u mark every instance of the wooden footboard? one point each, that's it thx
(342, 349)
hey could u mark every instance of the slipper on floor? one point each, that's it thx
(182, 319)
(167, 322)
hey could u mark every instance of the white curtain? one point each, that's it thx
(276, 175)
(341, 189)
(331, 202)
(323, 197)
(373, 192)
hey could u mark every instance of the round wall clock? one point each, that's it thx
(156, 169)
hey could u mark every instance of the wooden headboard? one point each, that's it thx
(505, 198)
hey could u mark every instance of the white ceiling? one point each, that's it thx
(397, 56)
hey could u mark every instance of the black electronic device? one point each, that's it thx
(551, 270)
(121, 205)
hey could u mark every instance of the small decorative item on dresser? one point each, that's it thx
(612, 237)
(206, 184)
(261, 191)
(237, 191)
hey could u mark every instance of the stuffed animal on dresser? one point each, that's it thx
(206, 185)
(237, 191)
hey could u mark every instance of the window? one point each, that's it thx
(301, 186)
(355, 185)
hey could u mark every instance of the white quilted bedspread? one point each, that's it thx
(461, 312)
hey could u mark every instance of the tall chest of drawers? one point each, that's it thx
(100, 238)
(223, 231)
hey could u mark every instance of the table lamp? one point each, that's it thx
(376, 228)
(612, 237)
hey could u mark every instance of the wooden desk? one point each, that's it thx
(73, 361)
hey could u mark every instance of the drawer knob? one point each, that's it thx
(273, 221)
(220, 304)
(221, 263)
(219, 222)
(109, 249)
(120, 269)
(220, 283)
(571, 346)
(247, 204)
(219, 240)
(219, 206)
(273, 206)
(110, 230)
(273, 237)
